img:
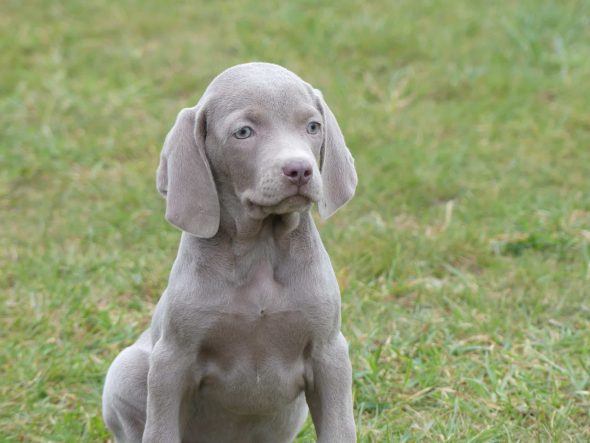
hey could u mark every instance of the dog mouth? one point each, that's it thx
(293, 203)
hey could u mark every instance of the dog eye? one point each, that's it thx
(243, 132)
(313, 127)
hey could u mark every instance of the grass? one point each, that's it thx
(464, 259)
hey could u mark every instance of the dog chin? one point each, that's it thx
(294, 203)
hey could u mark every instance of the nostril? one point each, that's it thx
(298, 171)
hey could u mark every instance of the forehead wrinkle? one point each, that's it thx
(269, 109)
(305, 112)
(251, 114)
(279, 98)
(273, 90)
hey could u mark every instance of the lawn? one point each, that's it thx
(464, 259)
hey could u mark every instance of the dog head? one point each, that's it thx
(262, 134)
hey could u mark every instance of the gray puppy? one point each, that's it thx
(247, 334)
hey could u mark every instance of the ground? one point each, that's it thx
(464, 259)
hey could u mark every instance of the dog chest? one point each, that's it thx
(254, 362)
(253, 354)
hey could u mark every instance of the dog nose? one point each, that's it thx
(298, 172)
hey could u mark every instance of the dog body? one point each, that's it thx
(247, 334)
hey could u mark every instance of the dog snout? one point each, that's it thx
(298, 172)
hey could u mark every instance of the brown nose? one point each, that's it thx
(298, 171)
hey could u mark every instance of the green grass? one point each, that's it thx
(464, 259)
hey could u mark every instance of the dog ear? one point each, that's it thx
(184, 176)
(336, 164)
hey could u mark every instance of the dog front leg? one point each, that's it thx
(169, 377)
(329, 392)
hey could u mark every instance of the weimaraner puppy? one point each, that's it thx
(247, 334)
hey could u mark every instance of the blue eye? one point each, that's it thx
(243, 132)
(313, 127)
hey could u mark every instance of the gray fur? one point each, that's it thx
(247, 334)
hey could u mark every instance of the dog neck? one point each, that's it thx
(238, 223)
(242, 235)
(242, 245)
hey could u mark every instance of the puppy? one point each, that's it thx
(246, 337)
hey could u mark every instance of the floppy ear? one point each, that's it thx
(336, 165)
(184, 177)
